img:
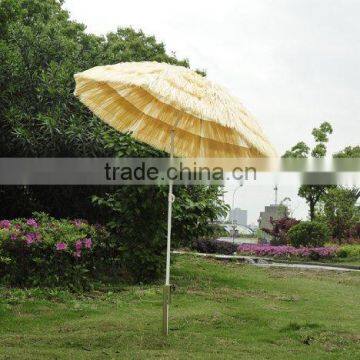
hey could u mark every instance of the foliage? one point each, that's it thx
(349, 152)
(341, 213)
(312, 193)
(300, 150)
(321, 137)
(135, 217)
(353, 224)
(48, 252)
(349, 251)
(285, 251)
(210, 246)
(138, 217)
(40, 51)
(280, 228)
(193, 209)
(308, 233)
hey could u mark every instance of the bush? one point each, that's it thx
(214, 247)
(48, 252)
(349, 251)
(137, 217)
(308, 233)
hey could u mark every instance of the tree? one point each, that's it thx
(312, 193)
(300, 150)
(341, 212)
(40, 51)
(349, 152)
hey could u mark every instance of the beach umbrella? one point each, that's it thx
(174, 109)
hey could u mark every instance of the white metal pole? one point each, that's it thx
(168, 245)
(166, 300)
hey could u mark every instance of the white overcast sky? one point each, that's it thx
(293, 63)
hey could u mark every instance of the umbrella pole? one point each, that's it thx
(166, 295)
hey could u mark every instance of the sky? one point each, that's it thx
(293, 64)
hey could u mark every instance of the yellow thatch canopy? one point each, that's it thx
(149, 99)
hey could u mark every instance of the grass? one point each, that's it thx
(219, 311)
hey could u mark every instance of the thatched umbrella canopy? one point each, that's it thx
(149, 99)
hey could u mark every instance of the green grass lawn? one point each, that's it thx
(219, 311)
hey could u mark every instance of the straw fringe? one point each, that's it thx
(149, 98)
(155, 132)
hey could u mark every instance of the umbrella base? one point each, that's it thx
(166, 304)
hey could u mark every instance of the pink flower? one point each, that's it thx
(79, 222)
(32, 237)
(61, 246)
(29, 238)
(13, 236)
(77, 253)
(5, 224)
(285, 250)
(88, 243)
(78, 245)
(32, 222)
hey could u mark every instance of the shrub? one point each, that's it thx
(48, 252)
(352, 251)
(137, 218)
(209, 246)
(280, 228)
(308, 233)
(288, 251)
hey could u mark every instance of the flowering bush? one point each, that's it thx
(288, 251)
(46, 251)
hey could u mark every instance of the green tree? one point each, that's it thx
(40, 51)
(312, 193)
(300, 150)
(341, 212)
(349, 152)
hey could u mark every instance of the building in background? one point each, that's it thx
(238, 216)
